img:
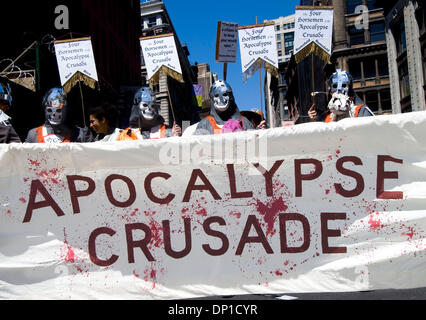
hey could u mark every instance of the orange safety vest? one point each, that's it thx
(40, 136)
(128, 134)
(216, 129)
(328, 118)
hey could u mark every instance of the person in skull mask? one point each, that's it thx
(57, 128)
(344, 103)
(224, 114)
(145, 120)
(7, 132)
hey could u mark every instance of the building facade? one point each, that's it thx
(406, 39)
(359, 47)
(275, 89)
(175, 98)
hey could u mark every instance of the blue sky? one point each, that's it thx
(195, 23)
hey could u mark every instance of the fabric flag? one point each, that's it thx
(160, 55)
(314, 31)
(76, 62)
(197, 95)
(258, 49)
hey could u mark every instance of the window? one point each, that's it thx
(278, 27)
(369, 67)
(152, 21)
(404, 80)
(383, 65)
(279, 36)
(278, 45)
(371, 4)
(280, 53)
(351, 5)
(356, 36)
(372, 100)
(289, 36)
(377, 32)
(385, 100)
(355, 68)
(401, 44)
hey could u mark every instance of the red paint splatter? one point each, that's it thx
(270, 212)
(34, 162)
(374, 224)
(327, 191)
(278, 273)
(202, 212)
(409, 234)
(156, 240)
(135, 274)
(235, 214)
(22, 200)
(70, 256)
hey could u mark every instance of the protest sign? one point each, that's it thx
(226, 42)
(313, 32)
(76, 62)
(317, 207)
(258, 48)
(160, 53)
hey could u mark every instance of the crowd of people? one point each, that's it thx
(145, 121)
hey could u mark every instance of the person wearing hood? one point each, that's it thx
(57, 128)
(7, 132)
(344, 102)
(224, 115)
(145, 120)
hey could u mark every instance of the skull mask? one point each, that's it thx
(145, 100)
(340, 86)
(221, 96)
(55, 106)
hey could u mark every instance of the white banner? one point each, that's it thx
(227, 42)
(311, 208)
(313, 26)
(160, 51)
(257, 42)
(74, 56)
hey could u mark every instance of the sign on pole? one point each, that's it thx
(76, 62)
(160, 53)
(227, 42)
(314, 31)
(258, 48)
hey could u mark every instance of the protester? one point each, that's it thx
(103, 120)
(255, 116)
(224, 114)
(344, 102)
(57, 128)
(145, 120)
(7, 132)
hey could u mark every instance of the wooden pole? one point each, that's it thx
(225, 71)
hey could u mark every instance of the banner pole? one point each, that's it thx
(225, 71)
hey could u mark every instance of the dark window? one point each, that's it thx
(369, 67)
(401, 44)
(351, 5)
(289, 36)
(356, 36)
(383, 65)
(404, 80)
(355, 68)
(371, 4)
(385, 100)
(372, 100)
(377, 32)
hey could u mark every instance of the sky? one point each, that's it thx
(195, 24)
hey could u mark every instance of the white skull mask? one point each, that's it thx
(221, 95)
(55, 104)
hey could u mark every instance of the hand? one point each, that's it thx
(262, 125)
(176, 131)
(312, 114)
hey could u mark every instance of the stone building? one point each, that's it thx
(406, 40)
